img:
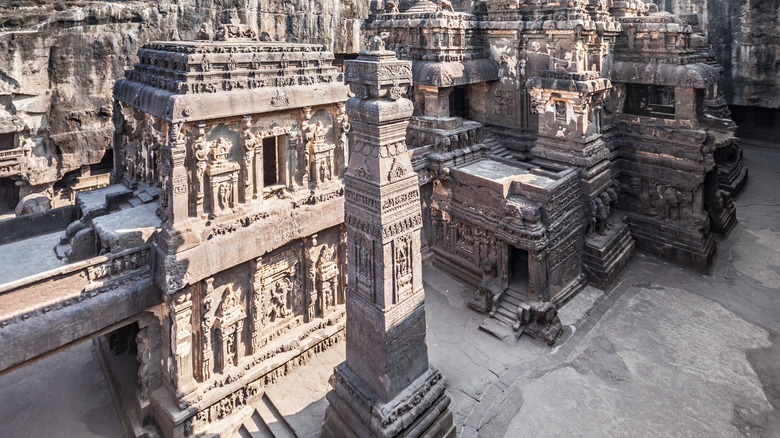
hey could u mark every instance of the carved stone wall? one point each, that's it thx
(57, 78)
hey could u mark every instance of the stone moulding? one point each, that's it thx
(388, 419)
(206, 411)
(96, 271)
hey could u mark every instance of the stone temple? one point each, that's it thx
(269, 200)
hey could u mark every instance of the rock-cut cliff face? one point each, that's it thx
(745, 35)
(59, 61)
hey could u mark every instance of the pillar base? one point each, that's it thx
(355, 411)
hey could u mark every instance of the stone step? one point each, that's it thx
(513, 300)
(145, 197)
(273, 420)
(508, 313)
(503, 318)
(254, 427)
(501, 329)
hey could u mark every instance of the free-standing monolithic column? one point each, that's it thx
(386, 387)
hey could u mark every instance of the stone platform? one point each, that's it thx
(604, 257)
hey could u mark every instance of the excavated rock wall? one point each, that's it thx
(745, 35)
(59, 61)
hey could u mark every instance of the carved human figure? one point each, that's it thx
(668, 201)
(279, 298)
(165, 178)
(488, 287)
(224, 196)
(642, 191)
(601, 216)
(207, 345)
(607, 201)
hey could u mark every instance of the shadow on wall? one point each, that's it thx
(757, 123)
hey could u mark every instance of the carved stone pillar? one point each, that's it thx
(437, 101)
(180, 312)
(178, 195)
(537, 276)
(256, 303)
(201, 151)
(387, 359)
(149, 348)
(247, 170)
(306, 156)
(310, 296)
(343, 120)
(206, 330)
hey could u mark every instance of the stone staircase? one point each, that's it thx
(266, 422)
(511, 299)
(495, 147)
(505, 323)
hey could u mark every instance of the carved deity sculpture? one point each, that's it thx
(280, 299)
(230, 321)
(319, 152)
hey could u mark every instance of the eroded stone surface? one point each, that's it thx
(661, 359)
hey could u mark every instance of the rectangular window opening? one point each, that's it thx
(650, 101)
(270, 161)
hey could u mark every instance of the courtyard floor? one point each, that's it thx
(667, 352)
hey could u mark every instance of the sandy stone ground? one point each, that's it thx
(667, 352)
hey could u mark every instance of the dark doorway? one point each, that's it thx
(518, 269)
(9, 193)
(270, 165)
(7, 141)
(459, 103)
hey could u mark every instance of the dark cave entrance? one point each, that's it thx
(518, 269)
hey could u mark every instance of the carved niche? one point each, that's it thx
(180, 311)
(364, 271)
(465, 243)
(320, 153)
(223, 178)
(229, 325)
(276, 295)
(327, 279)
(403, 263)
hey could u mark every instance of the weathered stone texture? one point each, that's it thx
(745, 35)
(59, 62)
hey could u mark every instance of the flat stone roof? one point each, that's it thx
(504, 173)
(28, 257)
(128, 228)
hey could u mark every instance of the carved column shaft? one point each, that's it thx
(256, 303)
(201, 153)
(178, 195)
(180, 311)
(386, 351)
(206, 332)
(249, 143)
(382, 233)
